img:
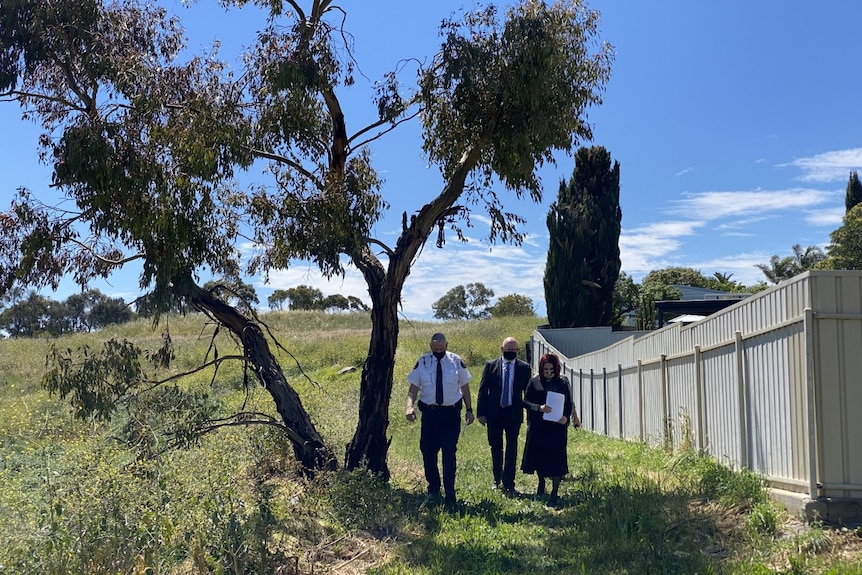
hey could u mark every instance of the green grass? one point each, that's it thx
(74, 498)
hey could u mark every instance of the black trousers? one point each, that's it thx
(441, 427)
(503, 439)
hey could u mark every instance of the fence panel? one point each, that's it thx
(682, 399)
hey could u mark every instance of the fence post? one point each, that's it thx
(620, 396)
(581, 395)
(700, 395)
(665, 407)
(592, 400)
(742, 387)
(641, 409)
(811, 397)
(605, 399)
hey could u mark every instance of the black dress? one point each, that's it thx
(545, 448)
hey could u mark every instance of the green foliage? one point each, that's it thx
(276, 299)
(335, 302)
(470, 302)
(676, 275)
(234, 292)
(649, 293)
(743, 487)
(625, 298)
(304, 297)
(94, 382)
(307, 298)
(780, 269)
(513, 304)
(35, 315)
(584, 227)
(485, 90)
(365, 502)
(764, 519)
(845, 250)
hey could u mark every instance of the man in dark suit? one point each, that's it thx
(500, 407)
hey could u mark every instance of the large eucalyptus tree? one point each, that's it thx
(146, 146)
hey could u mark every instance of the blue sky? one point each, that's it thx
(735, 123)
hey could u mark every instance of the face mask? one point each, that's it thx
(510, 355)
(439, 354)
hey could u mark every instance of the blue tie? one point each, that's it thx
(506, 401)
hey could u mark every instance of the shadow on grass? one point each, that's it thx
(599, 527)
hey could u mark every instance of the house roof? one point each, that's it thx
(696, 301)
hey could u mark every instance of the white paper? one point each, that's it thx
(555, 401)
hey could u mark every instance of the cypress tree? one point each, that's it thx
(854, 192)
(583, 253)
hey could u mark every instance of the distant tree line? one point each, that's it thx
(305, 297)
(32, 314)
(473, 301)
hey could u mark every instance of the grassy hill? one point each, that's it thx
(81, 496)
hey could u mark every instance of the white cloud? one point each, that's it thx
(505, 269)
(741, 266)
(715, 205)
(684, 171)
(827, 217)
(828, 166)
(643, 249)
(726, 227)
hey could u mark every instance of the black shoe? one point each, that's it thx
(554, 502)
(450, 501)
(510, 492)
(495, 486)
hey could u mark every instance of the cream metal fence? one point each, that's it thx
(772, 383)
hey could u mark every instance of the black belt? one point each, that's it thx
(435, 407)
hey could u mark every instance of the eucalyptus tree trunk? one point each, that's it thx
(308, 445)
(369, 446)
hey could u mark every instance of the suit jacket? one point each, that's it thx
(491, 389)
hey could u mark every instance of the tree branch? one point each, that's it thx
(381, 133)
(284, 160)
(248, 418)
(389, 251)
(102, 259)
(15, 95)
(215, 362)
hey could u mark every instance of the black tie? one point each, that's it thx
(439, 383)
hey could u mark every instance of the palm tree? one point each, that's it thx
(780, 269)
(808, 259)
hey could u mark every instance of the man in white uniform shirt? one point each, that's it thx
(439, 386)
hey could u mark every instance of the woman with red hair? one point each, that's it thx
(545, 448)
